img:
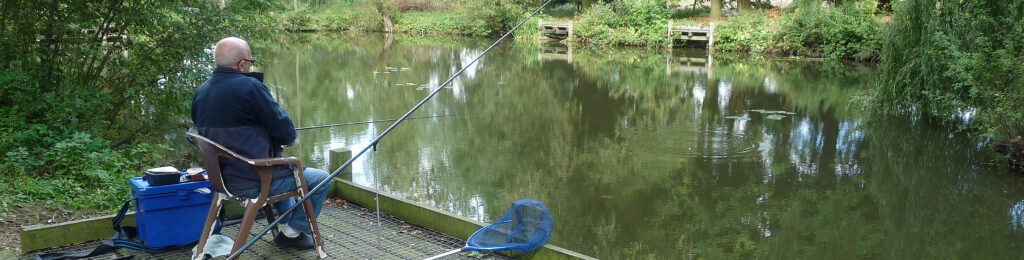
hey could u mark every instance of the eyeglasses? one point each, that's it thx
(251, 61)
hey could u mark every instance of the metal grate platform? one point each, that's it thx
(349, 232)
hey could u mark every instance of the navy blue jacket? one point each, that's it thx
(237, 111)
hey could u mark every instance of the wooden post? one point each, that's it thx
(711, 38)
(570, 30)
(339, 156)
(540, 25)
(669, 34)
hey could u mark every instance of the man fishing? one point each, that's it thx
(234, 108)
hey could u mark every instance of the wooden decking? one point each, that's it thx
(703, 34)
(349, 232)
(555, 29)
(692, 33)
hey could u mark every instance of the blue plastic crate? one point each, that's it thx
(170, 215)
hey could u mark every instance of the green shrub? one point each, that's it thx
(70, 170)
(630, 22)
(563, 10)
(749, 32)
(79, 115)
(495, 17)
(838, 33)
(841, 33)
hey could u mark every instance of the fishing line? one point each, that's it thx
(376, 140)
(366, 122)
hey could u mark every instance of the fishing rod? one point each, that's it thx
(366, 122)
(375, 140)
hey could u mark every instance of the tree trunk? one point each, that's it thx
(743, 5)
(584, 4)
(716, 8)
(388, 26)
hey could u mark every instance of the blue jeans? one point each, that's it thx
(296, 220)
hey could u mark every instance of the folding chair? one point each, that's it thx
(211, 151)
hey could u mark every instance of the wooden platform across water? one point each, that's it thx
(692, 33)
(555, 29)
(687, 34)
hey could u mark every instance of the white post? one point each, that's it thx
(711, 38)
(669, 33)
(570, 30)
(540, 25)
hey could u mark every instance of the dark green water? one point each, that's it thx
(633, 153)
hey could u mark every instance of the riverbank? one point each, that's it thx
(847, 32)
(469, 18)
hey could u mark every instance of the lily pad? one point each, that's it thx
(762, 111)
(775, 117)
(737, 117)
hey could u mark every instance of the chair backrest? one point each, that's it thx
(211, 152)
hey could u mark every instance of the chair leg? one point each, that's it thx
(268, 211)
(307, 206)
(251, 209)
(211, 218)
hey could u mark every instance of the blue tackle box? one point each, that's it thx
(170, 215)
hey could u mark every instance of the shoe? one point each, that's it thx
(303, 241)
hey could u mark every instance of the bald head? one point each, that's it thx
(230, 51)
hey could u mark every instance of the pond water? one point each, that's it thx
(652, 153)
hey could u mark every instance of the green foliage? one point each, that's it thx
(458, 17)
(495, 17)
(846, 32)
(563, 10)
(330, 17)
(838, 33)
(629, 22)
(89, 90)
(943, 58)
(752, 32)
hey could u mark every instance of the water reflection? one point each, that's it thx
(638, 156)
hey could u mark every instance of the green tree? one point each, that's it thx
(86, 86)
(959, 63)
(385, 8)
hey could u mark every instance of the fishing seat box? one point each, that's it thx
(170, 215)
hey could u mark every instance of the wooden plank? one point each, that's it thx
(436, 219)
(37, 237)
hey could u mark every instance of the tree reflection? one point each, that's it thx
(633, 151)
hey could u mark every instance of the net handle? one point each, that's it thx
(445, 254)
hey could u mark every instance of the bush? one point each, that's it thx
(495, 17)
(749, 32)
(414, 5)
(630, 22)
(80, 114)
(563, 10)
(839, 33)
(70, 170)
